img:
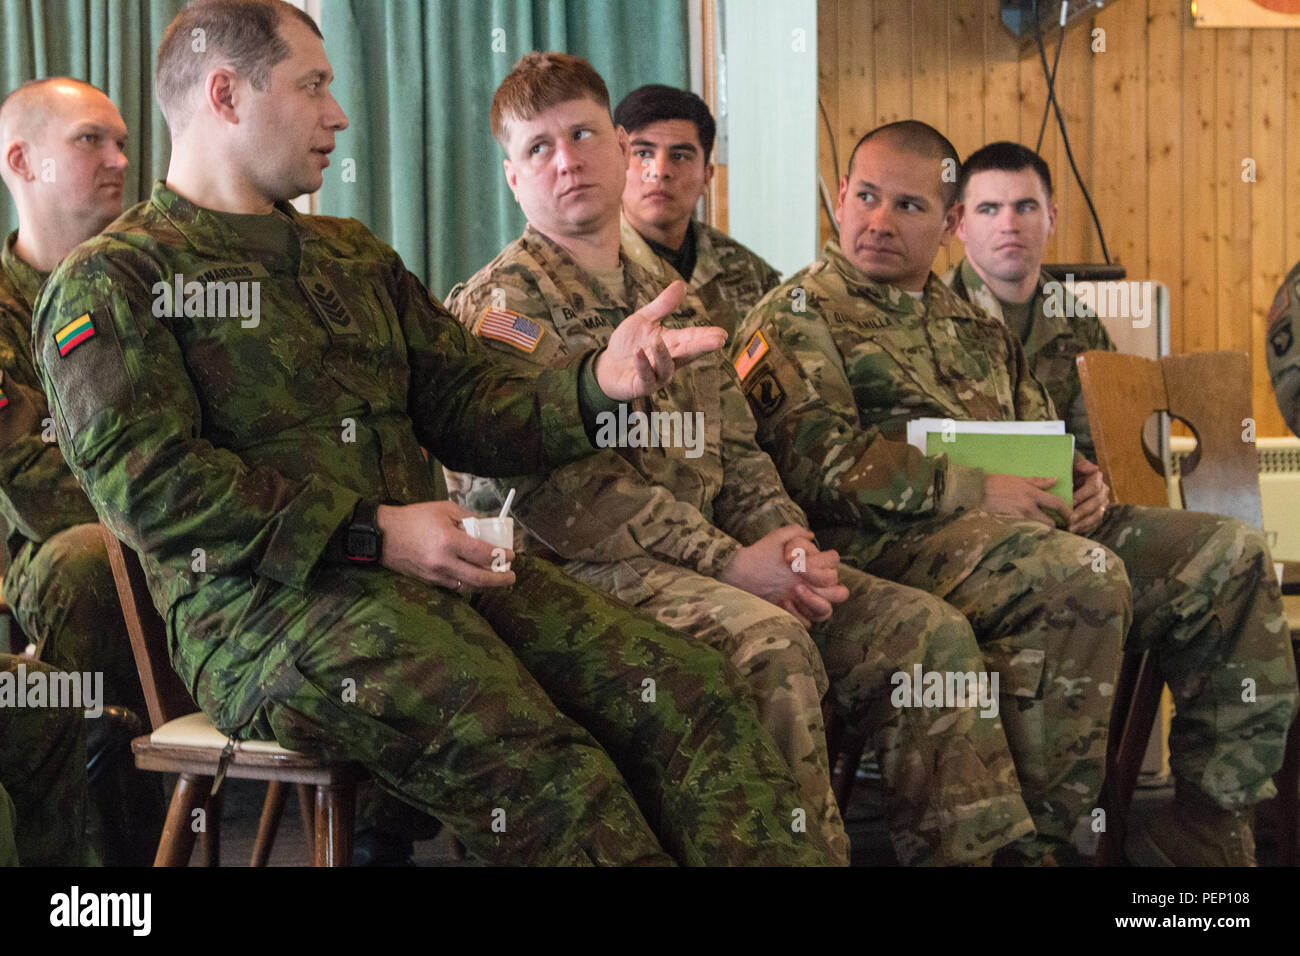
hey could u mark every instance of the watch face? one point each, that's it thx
(362, 545)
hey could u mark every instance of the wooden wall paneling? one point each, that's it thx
(930, 68)
(1268, 206)
(1119, 182)
(1074, 83)
(1033, 97)
(893, 61)
(1194, 313)
(1292, 148)
(1233, 98)
(1001, 78)
(966, 92)
(829, 41)
(1165, 146)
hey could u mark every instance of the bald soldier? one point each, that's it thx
(690, 523)
(1204, 593)
(1283, 347)
(245, 393)
(61, 158)
(669, 169)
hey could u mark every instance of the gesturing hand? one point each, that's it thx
(642, 355)
(426, 541)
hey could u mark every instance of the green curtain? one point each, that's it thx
(416, 78)
(109, 43)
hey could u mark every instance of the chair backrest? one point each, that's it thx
(1210, 392)
(163, 690)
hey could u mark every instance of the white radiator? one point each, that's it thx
(1279, 489)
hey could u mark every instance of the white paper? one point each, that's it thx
(918, 428)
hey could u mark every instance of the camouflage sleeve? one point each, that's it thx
(752, 502)
(38, 495)
(129, 422)
(600, 508)
(1033, 403)
(840, 470)
(1283, 349)
(478, 415)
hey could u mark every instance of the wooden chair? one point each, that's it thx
(1211, 394)
(184, 741)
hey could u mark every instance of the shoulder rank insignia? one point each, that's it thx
(73, 334)
(509, 327)
(754, 351)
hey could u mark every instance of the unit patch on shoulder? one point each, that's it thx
(73, 334)
(754, 351)
(509, 327)
(766, 393)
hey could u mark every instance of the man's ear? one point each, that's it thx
(839, 202)
(950, 220)
(512, 178)
(708, 173)
(960, 207)
(624, 144)
(17, 159)
(1051, 218)
(221, 92)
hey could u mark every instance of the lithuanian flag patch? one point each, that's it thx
(73, 334)
(4, 399)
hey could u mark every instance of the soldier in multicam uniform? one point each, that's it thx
(62, 141)
(672, 134)
(266, 463)
(693, 525)
(1283, 347)
(43, 803)
(866, 339)
(1204, 594)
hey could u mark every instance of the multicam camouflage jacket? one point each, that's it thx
(1051, 345)
(39, 497)
(254, 440)
(835, 365)
(693, 503)
(728, 278)
(1283, 347)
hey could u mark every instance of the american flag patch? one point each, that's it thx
(754, 351)
(511, 328)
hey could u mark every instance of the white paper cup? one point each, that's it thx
(498, 532)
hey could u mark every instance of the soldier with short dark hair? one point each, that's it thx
(244, 392)
(1282, 347)
(671, 134)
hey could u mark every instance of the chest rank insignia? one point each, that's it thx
(322, 288)
(73, 334)
(509, 327)
(754, 351)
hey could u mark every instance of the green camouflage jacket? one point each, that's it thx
(1283, 347)
(835, 365)
(691, 506)
(39, 497)
(1051, 345)
(728, 278)
(253, 441)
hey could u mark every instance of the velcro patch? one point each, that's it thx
(509, 327)
(73, 334)
(754, 351)
(766, 394)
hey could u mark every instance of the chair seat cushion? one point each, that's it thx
(196, 730)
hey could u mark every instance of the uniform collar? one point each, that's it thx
(937, 300)
(639, 251)
(1043, 328)
(25, 278)
(581, 284)
(205, 231)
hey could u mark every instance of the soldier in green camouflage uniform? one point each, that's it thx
(672, 133)
(1283, 347)
(1204, 592)
(670, 528)
(239, 446)
(43, 804)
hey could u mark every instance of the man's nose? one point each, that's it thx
(335, 119)
(566, 156)
(651, 169)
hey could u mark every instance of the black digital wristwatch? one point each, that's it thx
(364, 541)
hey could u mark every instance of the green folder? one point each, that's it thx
(1029, 456)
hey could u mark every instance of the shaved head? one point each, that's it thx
(26, 111)
(919, 139)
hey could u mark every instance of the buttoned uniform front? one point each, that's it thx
(1282, 348)
(1205, 598)
(836, 366)
(230, 449)
(728, 277)
(656, 525)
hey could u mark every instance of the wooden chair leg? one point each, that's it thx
(307, 814)
(269, 824)
(210, 837)
(178, 834)
(335, 806)
(1137, 699)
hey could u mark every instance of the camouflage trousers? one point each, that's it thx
(544, 723)
(1050, 618)
(950, 787)
(1206, 602)
(43, 803)
(62, 594)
